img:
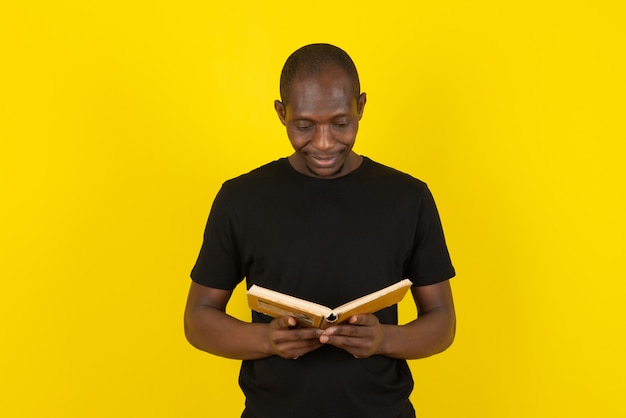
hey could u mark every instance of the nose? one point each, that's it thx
(323, 138)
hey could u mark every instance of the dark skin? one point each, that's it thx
(321, 116)
(322, 119)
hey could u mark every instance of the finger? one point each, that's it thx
(297, 334)
(349, 330)
(358, 347)
(296, 349)
(342, 341)
(284, 322)
(363, 319)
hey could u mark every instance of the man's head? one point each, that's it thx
(314, 59)
(321, 108)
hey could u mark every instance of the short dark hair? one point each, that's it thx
(313, 60)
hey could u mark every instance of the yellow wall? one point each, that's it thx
(119, 120)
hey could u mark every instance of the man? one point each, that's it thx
(327, 225)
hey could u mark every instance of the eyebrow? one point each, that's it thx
(309, 118)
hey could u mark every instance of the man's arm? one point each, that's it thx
(209, 328)
(432, 332)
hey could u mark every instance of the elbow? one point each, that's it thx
(187, 331)
(190, 334)
(446, 335)
(450, 333)
(451, 336)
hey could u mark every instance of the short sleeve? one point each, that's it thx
(430, 261)
(219, 262)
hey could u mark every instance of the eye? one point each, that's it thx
(341, 124)
(304, 127)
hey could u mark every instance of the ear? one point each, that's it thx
(360, 104)
(280, 111)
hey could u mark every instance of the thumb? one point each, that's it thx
(285, 322)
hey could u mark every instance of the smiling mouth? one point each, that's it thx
(324, 161)
(328, 175)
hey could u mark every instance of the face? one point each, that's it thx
(322, 119)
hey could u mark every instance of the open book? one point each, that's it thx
(275, 304)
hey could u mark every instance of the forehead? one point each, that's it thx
(330, 91)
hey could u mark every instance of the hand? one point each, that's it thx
(290, 341)
(362, 336)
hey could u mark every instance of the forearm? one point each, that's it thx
(212, 330)
(431, 333)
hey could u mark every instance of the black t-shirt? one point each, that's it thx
(328, 241)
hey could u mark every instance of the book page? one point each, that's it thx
(275, 304)
(373, 302)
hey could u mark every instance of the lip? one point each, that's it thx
(324, 161)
